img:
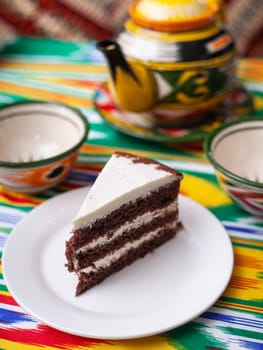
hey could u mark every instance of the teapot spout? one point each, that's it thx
(115, 58)
(131, 84)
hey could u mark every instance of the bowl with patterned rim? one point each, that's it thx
(39, 144)
(235, 151)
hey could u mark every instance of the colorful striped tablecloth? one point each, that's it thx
(51, 70)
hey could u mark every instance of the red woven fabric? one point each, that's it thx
(64, 19)
(100, 19)
(244, 19)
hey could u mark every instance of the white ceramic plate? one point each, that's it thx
(165, 289)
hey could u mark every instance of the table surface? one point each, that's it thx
(71, 73)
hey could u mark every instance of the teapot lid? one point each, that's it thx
(173, 15)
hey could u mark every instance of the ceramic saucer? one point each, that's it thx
(238, 103)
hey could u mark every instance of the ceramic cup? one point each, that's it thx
(235, 151)
(39, 143)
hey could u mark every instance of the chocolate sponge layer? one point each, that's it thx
(160, 198)
(157, 199)
(87, 281)
(87, 257)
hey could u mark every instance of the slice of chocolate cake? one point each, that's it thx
(130, 210)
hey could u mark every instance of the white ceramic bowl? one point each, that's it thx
(236, 151)
(39, 143)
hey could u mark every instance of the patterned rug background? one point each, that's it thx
(98, 19)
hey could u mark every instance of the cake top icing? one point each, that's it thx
(124, 178)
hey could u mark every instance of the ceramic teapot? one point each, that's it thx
(172, 61)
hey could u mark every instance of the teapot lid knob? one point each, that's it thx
(173, 15)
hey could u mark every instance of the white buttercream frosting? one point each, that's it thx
(120, 181)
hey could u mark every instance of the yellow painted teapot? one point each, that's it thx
(172, 62)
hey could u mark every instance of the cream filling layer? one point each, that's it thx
(137, 222)
(117, 254)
